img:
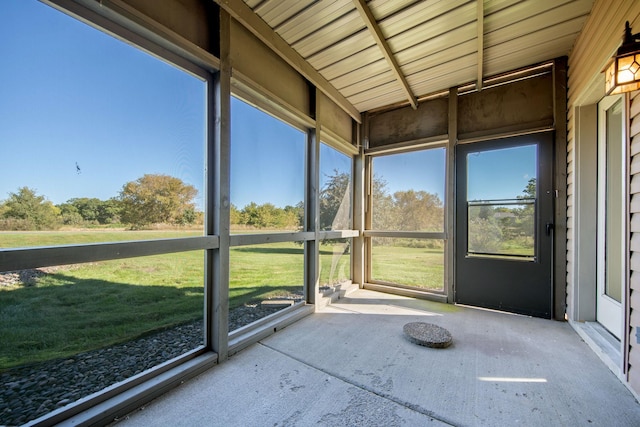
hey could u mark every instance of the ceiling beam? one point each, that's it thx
(480, 37)
(381, 41)
(259, 28)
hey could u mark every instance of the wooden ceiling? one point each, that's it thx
(382, 52)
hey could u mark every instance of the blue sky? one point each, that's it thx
(72, 95)
(500, 174)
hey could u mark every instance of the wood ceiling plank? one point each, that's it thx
(349, 46)
(314, 18)
(360, 74)
(253, 3)
(384, 8)
(279, 11)
(502, 27)
(427, 81)
(377, 91)
(363, 85)
(440, 27)
(464, 36)
(245, 16)
(353, 62)
(423, 13)
(514, 42)
(390, 98)
(330, 34)
(441, 57)
(501, 60)
(381, 41)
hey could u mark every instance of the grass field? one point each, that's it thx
(82, 307)
(417, 267)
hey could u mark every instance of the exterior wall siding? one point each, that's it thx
(597, 42)
(634, 247)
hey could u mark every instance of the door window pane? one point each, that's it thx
(501, 229)
(501, 202)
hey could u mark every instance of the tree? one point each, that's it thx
(155, 199)
(417, 211)
(26, 210)
(382, 205)
(234, 215)
(109, 211)
(335, 202)
(526, 214)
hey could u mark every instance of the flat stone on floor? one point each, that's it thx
(427, 334)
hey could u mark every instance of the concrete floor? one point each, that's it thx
(350, 365)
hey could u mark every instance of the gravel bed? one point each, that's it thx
(29, 392)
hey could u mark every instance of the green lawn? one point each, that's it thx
(82, 307)
(418, 267)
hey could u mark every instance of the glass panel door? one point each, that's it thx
(612, 221)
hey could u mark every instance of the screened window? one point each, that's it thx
(99, 138)
(101, 142)
(267, 196)
(335, 214)
(408, 197)
(408, 191)
(267, 172)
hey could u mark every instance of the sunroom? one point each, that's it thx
(184, 179)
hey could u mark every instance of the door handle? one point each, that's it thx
(549, 228)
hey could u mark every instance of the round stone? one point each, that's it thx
(427, 334)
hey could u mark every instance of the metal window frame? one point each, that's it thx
(123, 397)
(368, 233)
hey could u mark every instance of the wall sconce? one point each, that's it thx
(622, 73)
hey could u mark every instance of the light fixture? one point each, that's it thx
(622, 73)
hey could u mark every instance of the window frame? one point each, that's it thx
(369, 232)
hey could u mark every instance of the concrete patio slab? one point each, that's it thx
(351, 365)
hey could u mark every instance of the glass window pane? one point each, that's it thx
(77, 329)
(335, 262)
(615, 200)
(108, 137)
(263, 280)
(267, 172)
(335, 189)
(412, 262)
(408, 191)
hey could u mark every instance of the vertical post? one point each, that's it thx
(312, 209)
(359, 199)
(480, 42)
(450, 203)
(220, 107)
(559, 274)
